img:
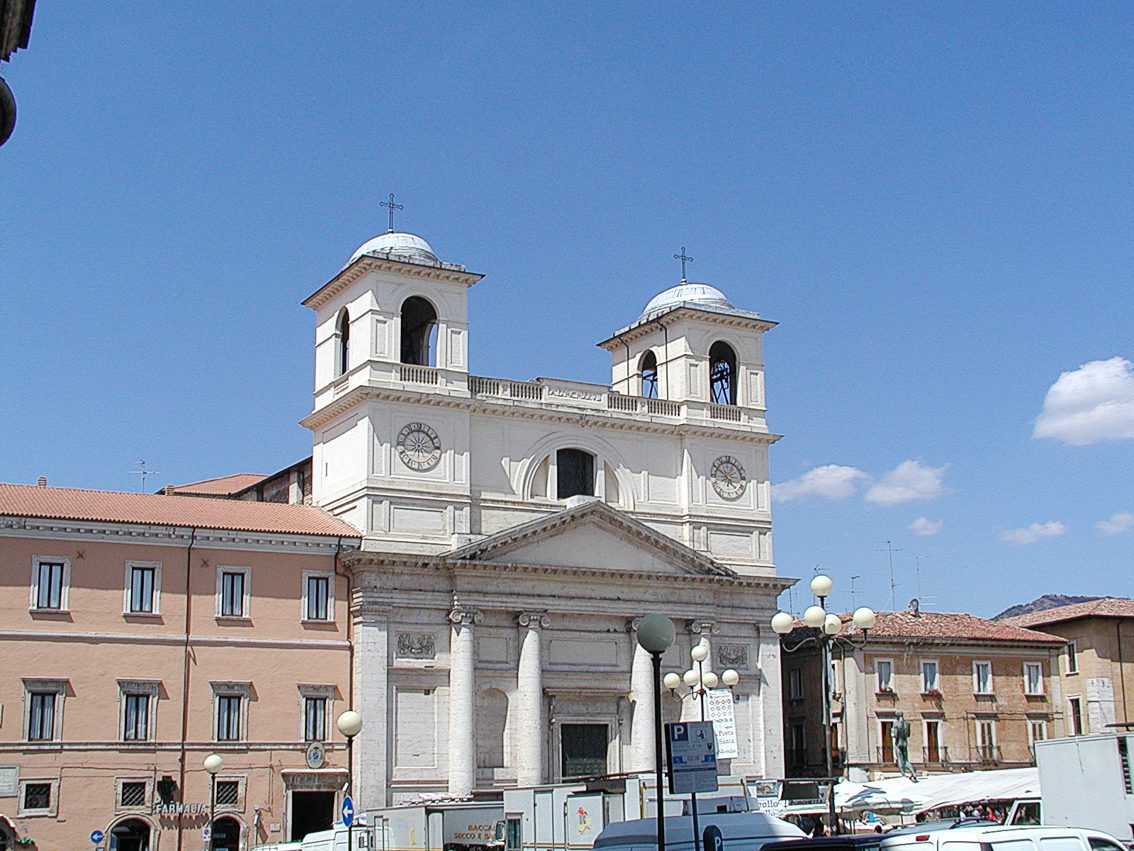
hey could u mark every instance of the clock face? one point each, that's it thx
(419, 447)
(729, 480)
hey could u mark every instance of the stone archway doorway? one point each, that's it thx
(133, 834)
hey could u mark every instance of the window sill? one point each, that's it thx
(32, 610)
(234, 620)
(1035, 695)
(316, 622)
(142, 616)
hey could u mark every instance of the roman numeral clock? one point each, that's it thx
(419, 447)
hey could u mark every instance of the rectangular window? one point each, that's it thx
(228, 793)
(933, 741)
(37, 796)
(885, 669)
(228, 717)
(50, 580)
(1076, 713)
(132, 793)
(1072, 655)
(41, 716)
(795, 684)
(232, 592)
(1037, 732)
(143, 581)
(317, 597)
(314, 719)
(1033, 678)
(929, 676)
(982, 678)
(986, 739)
(136, 718)
(886, 751)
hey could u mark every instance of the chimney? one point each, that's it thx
(915, 607)
(41, 482)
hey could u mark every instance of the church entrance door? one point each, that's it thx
(311, 811)
(583, 748)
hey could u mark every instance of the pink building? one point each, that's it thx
(141, 633)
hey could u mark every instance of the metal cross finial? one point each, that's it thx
(684, 258)
(393, 207)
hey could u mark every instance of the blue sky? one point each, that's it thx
(934, 203)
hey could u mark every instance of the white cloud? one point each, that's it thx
(830, 481)
(924, 526)
(908, 481)
(1090, 404)
(1120, 521)
(1035, 532)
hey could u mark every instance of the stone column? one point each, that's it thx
(531, 729)
(371, 617)
(642, 702)
(462, 700)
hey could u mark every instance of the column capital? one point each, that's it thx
(704, 627)
(534, 620)
(465, 616)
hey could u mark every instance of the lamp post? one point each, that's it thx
(214, 764)
(699, 681)
(829, 626)
(349, 724)
(655, 636)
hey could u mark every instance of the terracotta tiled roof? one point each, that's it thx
(945, 627)
(163, 510)
(220, 486)
(1104, 607)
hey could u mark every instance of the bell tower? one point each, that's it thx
(391, 331)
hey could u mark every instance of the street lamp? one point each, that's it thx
(699, 681)
(828, 627)
(655, 636)
(349, 724)
(214, 764)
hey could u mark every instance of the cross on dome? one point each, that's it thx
(683, 257)
(394, 206)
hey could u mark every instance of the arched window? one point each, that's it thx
(648, 367)
(722, 374)
(343, 353)
(130, 835)
(226, 834)
(575, 473)
(419, 332)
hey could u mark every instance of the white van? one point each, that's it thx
(739, 831)
(1005, 839)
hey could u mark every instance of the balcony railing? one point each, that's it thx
(413, 374)
(935, 756)
(987, 754)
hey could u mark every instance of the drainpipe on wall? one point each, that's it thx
(1121, 670)
(349, 577)
(185, 683)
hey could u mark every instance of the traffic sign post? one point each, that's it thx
(348, 811)
(97, 836)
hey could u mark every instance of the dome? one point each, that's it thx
(686, 292)
(401, 246)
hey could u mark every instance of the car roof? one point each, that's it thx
(852, 840)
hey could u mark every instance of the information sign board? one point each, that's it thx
(719, 708)
(692, 757)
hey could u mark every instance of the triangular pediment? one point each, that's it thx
(591, 536)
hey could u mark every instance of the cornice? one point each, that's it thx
(108, 532)
(646, 327)
(511, 409)
(136, 638)
(368, 263)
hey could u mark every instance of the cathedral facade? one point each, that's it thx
(514, 531)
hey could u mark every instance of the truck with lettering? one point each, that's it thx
(441, 826)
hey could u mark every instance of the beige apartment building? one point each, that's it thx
(139, 634)
(1097, 669)
(977, 694)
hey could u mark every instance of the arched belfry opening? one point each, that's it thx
(648, 368)
(342, 355)
(419, 332)
(722, 374)
(575, 473)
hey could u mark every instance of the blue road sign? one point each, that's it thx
(348, 811)
(97, 836)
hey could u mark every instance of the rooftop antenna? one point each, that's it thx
(917, 574)
(393, 207)
(142, 474)
(852, 579)
(683, 257)
(893, 583)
